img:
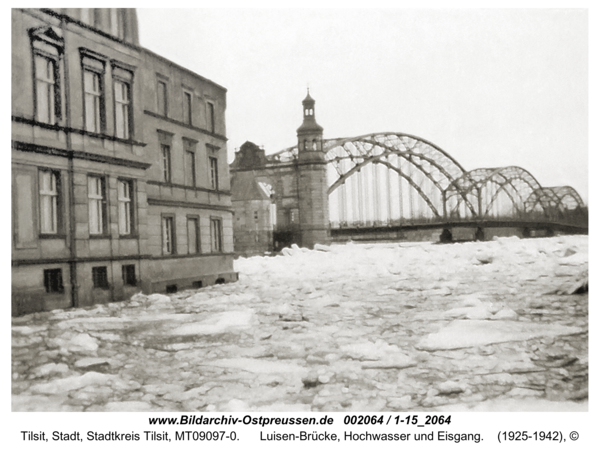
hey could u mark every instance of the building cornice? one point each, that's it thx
(188, 187)
(33, 122)
(68, 260)
(82, 155)
(187, 204)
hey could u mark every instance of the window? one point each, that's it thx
(100, 277)
(189, 155)
(53, 281)
(216, 235)
(166, 162)
(168, 234)
(187, 107)
(190, 168)
(49, 183)
(46, 89)
(161, 98)
(214, 173)
(48, 48)
(125, 199)
(210, 114)
(122, 110)
(93, 101)
(97, 204)
(128, 272)
(192, 233)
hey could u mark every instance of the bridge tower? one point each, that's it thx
(313, 200)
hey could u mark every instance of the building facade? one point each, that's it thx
(299, 206)
(119, 176)
(254, 207)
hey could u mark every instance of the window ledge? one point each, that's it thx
(129, 236)
(99, 236)
(52, 236)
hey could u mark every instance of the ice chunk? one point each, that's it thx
(215, 324)
(81, 342)
(472, 333)
(50, 368)
(71, 383)
(505, 314)
(257, 365)
(90, 362)
(393, 361)
(485, 256)
(158, 298)
(369, 350)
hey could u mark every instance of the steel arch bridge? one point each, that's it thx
(395, 178)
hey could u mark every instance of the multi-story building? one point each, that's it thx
(119, 176)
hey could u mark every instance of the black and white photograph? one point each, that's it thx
(378, 215)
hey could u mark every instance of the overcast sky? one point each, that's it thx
(490, 87)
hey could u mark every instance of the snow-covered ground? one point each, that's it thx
(388, 327)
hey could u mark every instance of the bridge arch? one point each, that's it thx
(496, 191)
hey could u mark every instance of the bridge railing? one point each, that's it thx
(577, 217)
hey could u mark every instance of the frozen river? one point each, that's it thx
(386, 327)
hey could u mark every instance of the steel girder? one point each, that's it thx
(349, 155)
(485, 185)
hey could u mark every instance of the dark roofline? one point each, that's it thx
(156, 55)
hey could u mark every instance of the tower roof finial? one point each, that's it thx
(308, 98)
